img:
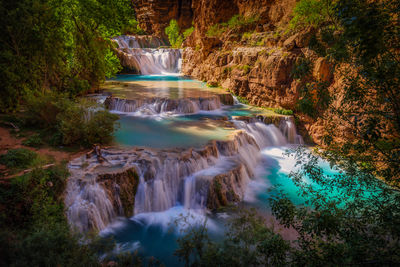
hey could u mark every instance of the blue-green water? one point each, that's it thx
(155, 233)
(135, 77)
(170, 132)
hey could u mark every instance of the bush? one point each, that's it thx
(282, 111)
(311, 13)
(44, 108)
(133, 28)
(172, 31)
(236, 22)
(100, 128)
(188, 32)
(71, 123)
(33, 141)
(18, 158)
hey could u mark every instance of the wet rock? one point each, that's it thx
(121, 189)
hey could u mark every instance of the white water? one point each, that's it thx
(288, 129)
(136, 54)
(167, 180)
(156, 106)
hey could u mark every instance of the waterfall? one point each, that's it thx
(171, 177)
(265, 135)
(154, 106)
(288, 128)
(145, 56)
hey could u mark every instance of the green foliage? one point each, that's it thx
(246, 69)
(33, 141)
(173, 33)
(314, 98)
(18, 158)
(212, 85)
(133, 27)
(216, 30)
(188, 32)
(248, 242)
(70, 122)
(236, 22)
(58, 45)
(227, 70)
(302, 69)
(283, 111)
(34, 232)
(312, 13)
(348, 227)
(242, 100)
(100, 128)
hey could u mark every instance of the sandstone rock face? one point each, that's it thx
(258, 68)
(154, 15)
(222, 190)
(121, 189)
(261, 75)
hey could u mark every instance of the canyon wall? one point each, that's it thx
(253, 61)
(153, 16)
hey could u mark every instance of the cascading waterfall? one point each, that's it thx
(168, 178)
(145, 56)
(155, 106)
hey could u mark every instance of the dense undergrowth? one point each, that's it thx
(34, 229)
(54, 119)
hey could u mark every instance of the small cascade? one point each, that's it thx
(141, 41)
(288, 128)
(145, 56)
(236, 100)
(154, 106)
(264, 134)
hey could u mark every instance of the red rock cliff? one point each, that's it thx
(154, 15)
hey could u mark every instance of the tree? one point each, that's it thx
(59, 45)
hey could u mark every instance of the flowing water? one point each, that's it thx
(178, 135)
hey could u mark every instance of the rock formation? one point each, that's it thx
(154, 16)
(258, 65)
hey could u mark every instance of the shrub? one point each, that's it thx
(44, 108)
(235, 22)
(133, 28)
(246, 68)
(33, 141)
(188, 32)
(172, 31)
(18, 158)
(242, 100)
(282, 111)
(311, 13)
(71, 123)
(100, 128)
(227, 70)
